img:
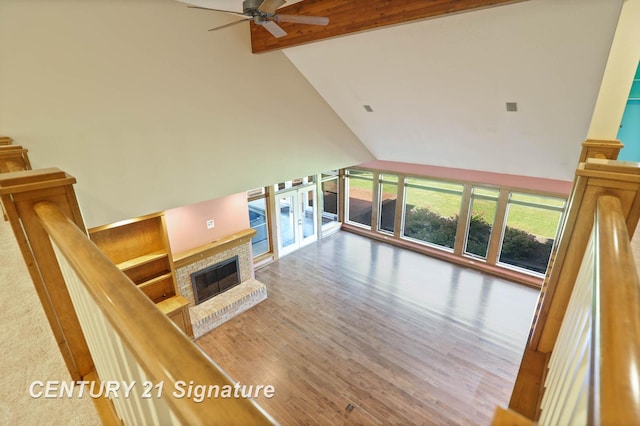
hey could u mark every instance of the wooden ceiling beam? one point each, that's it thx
(350, 16)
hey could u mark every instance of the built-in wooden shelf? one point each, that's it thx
(177, 309)
(213, 248)
(140, 248)
(141, 260)
(152, 281)
(172, 304)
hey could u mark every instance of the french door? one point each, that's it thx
(296, 218)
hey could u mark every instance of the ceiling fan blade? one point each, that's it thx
(302, 19)
(274, 29)
(231, 12)
(269, 6)
(229, 24)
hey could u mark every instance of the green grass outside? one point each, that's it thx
(537, 221)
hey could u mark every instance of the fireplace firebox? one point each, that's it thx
(215, 279)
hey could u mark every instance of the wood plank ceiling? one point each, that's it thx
(346, 17)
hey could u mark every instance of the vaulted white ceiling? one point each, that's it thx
(439, 88)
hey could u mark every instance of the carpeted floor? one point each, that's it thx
(28, 351)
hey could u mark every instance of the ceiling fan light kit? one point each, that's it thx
(263, 13)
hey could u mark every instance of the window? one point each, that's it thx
(360, 197)
(330, 199)
(431, 211)
(530, 229)
(482, 213)
(258, 220)
(293, 183)
(387, 203)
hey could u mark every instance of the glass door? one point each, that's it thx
(297, 219)
(307, 219)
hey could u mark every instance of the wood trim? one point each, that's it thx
(5, 140)
(225, 243)
(347, 17)
(31, 180)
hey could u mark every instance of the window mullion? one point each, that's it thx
(498, 225)
(463, 220)
(375, 200)
(399, 220)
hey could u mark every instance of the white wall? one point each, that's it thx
(438, 87)
(150, 111)
(619, 73)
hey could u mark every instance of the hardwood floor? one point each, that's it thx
(404, 338)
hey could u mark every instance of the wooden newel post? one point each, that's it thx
(19, 191)
(602, 149)
(13, 158)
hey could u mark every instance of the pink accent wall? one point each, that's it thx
(553, 186)
(187, 225)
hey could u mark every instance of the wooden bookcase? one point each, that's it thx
(140, 248)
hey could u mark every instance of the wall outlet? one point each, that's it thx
(210, 224)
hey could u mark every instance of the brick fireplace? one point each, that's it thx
(211, 313)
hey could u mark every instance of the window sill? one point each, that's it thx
(509, 274)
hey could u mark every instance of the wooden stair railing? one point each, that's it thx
(106, 328)
(594, 177)
(593, 371)
(13, 158)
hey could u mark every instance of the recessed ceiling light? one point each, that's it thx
(368, 108)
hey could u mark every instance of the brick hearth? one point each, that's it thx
(210, 314)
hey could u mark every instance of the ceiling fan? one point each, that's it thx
(263, 13)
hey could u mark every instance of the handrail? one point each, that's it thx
(593, 373)
(615, 365)
(164, 353)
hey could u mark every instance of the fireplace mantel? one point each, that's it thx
(211, 249)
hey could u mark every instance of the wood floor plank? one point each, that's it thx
(404, 338)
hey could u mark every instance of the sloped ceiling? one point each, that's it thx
(438, 88)
(149, 111)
